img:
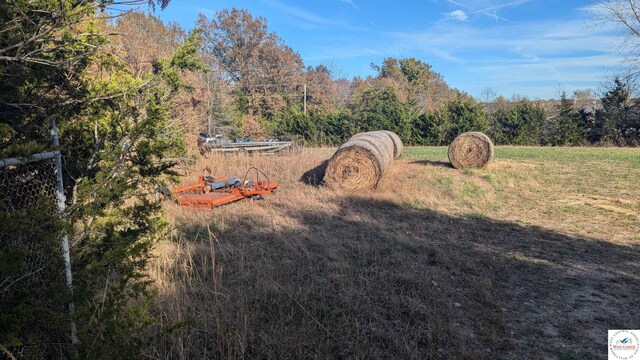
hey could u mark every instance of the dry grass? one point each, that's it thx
(529, 258)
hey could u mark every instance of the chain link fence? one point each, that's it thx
(22, 184)
(33, 292)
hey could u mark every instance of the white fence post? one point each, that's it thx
(65, 238)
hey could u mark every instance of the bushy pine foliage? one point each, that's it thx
(520, 125)
(564, 128)
(116, 133)
(618, 121)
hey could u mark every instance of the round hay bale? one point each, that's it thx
(471, 149)
(357, 164)
(397, 143)
(379, 140)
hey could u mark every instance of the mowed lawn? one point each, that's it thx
(536, 256)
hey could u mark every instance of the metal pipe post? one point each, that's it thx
(65, 239)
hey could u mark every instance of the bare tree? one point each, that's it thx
(624, 14)
(487, 95)
(259, 65)
(144, 39)
(414, 81)
(583, 98)
(630, 76)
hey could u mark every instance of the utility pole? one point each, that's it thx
(209, 104)
(305, 99)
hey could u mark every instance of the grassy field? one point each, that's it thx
(536, 256)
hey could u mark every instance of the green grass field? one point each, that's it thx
(561, 155)
(535, 256)
(589, 182)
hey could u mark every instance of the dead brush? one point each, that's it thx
(279, 278)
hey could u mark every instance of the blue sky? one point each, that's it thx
(534, 48)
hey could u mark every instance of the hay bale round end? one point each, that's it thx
(360, 162)
(356, 164)
(471, 150)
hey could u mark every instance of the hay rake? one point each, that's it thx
(210, 192)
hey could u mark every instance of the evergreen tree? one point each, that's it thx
(464, 116)
(522, 125)
(615, 116)
(380, 109)
(336, 127)
(431, 128)
(591, 125)
(565, 129)
(116, 132)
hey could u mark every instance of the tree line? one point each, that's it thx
(258, 81)
(615, 120)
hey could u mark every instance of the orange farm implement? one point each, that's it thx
(212, 192)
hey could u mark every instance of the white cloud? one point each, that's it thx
(537, 38)
(309, 20)
(461, 42)
(489, 7)
(541, 79)
(459, 4)
(498, 6)
(532, 57)
(351, 3)
(299, 13)
(457, 15)
(445, 55)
